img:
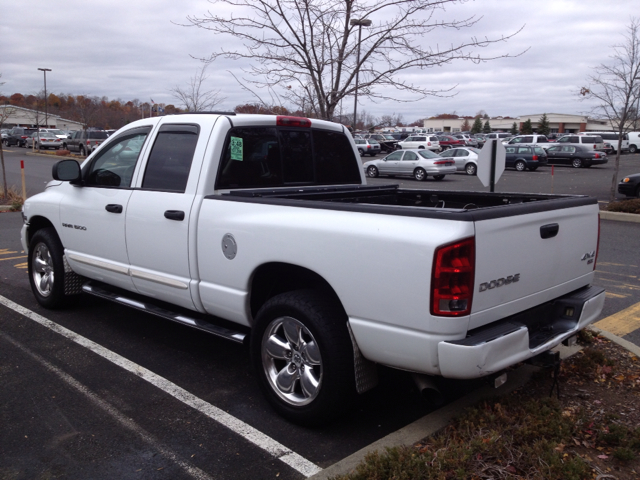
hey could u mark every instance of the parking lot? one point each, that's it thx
(102, 391)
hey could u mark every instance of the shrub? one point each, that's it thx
(625, 206)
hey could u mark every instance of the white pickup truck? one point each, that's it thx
(262, 229)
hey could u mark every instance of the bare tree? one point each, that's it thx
(5, 113)
(309, 49)
(194, 97)
(616, 89)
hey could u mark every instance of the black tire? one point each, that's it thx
(633, 149)
(520, 166)
(6, 143)
(471, 168)
(419, 174)
(533, 169)
(361, 151)
(372, 171)
(46, 269)
(576, 163)
(438, 177)
(64, 146)
(317, 348)
(638, 191)
(82, 150)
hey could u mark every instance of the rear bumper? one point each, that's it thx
(492, 348)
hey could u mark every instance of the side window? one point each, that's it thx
(527, 140)
(524, 150)
(170, 158)
(333, 158)
(113, 166)
(395, 155)
(409, 156)
(563, 140)
(573, 139)
(462, 153)
(511, 149)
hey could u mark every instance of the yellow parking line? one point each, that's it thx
(5, 251)
(623, 322)
(21, 265)
(12, 258)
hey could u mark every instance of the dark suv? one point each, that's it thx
(525, 157)
(18, 136)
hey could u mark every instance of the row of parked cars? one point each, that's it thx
(81, 141)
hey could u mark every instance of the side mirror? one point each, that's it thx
(67, 171)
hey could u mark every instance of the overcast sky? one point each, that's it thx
(135, 49)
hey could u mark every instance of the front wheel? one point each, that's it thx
(46, 268)
(82, 150)
(438, 177)
(419, 174)
(372, 171)
(302, 353)
(471, 168)
(633, 149)
(576, 163)
(521, 166)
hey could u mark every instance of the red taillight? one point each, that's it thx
(452, 279)
(88, 142)
(535, 158)
(441, 162)
(288, 121)
(428, 144)
(597, 155)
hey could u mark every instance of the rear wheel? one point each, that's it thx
(438, 177)
(576, 163)
(520, 166)
(82, 150)
(302, 353)
(372, 171)
(633, 149)
(471, 168)
(419, 174)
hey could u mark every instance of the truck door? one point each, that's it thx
(92, 215)
(157, 219)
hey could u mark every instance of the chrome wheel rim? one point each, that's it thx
(577, 163)
(291, 361)
(43, 276)
(372, 171)
(471, 169)
(520, 166)
(419, 174)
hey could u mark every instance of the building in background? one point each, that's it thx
(26, 117)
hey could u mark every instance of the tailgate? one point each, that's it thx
(525, 260)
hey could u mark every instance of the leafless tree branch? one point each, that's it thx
(194, 97)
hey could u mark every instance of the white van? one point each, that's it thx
(612, 139)
(595, 142)
(634, 141)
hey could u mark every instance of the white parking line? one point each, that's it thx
(274, 448)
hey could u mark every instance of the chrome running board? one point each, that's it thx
(144, 304)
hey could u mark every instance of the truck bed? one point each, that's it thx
(392, 200)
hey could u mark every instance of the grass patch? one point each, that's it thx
(12, 197)
(625, 206)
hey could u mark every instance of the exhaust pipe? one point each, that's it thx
(428, 389)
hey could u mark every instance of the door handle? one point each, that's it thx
(549, 231)
(174, 215)
(113, 208)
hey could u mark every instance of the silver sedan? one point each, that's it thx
(465, 159)
(43, 140)
(417, 163)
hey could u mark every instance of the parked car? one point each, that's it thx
(84, 141)
(18, 136)
(539, 140)
(525, 157)
(465, 159)
(499, 136)
(367, 147)
(480, 138)
(468, 140)
(634, 141)
(387, 142)
(43, 140)
(57, 132)
(612, 139)
(4, 133)
(630, 185)
(595, 142)
(428, 142)
(419, 163)
(575, 155)
(447, 141)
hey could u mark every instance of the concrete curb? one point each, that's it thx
(615, 339)
(620, 217)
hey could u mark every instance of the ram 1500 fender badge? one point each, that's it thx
(76, 227)
(229, 246)
(499, 282)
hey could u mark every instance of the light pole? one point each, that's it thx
(46, 119)
(359, 22)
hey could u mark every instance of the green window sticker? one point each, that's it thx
(236, 148)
